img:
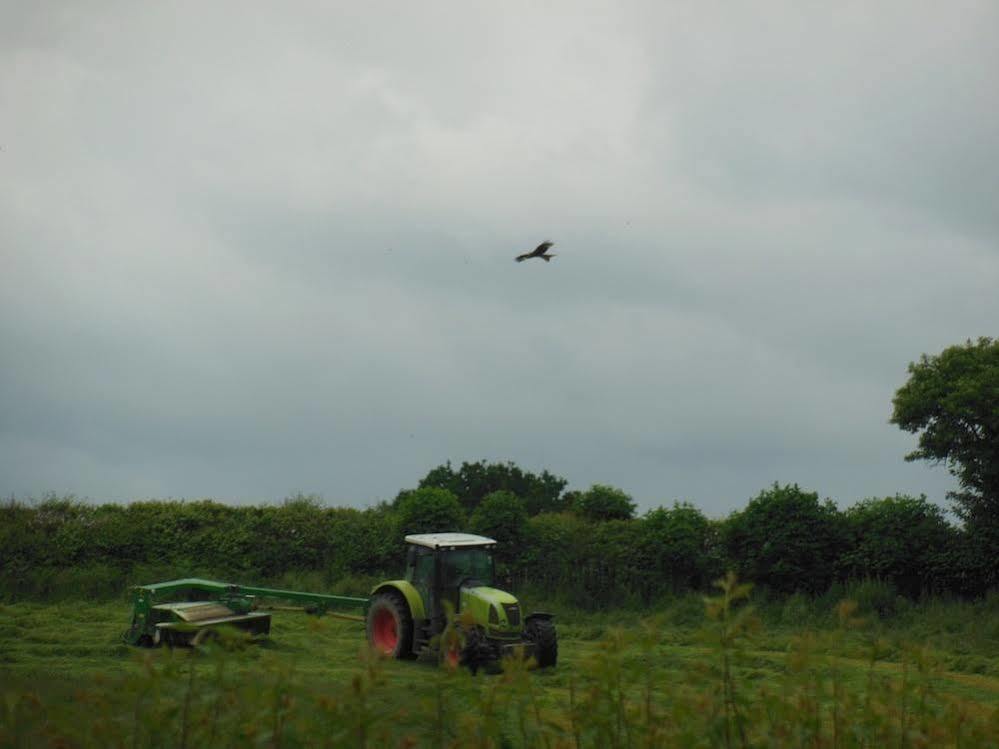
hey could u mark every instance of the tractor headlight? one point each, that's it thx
(493, 615)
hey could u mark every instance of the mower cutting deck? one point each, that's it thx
(181, 612)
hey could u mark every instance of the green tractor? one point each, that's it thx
(447, 606)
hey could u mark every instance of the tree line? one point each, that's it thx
(592, 550)
(586, 546)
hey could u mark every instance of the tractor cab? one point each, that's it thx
(440, 565)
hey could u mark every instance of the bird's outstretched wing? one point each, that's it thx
(538, 251)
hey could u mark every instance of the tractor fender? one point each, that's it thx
(408, 592)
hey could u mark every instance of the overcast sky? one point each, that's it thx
(254, 248)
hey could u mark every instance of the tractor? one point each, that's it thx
(447, 606)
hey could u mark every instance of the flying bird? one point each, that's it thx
(540, 251)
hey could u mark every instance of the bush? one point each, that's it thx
(786, 540)
(877, 597)
(602, 503)
(429, 511)
(901, 539)
(680, 544)
(620, 571)
(502, 516)
(556, 546)
(473, 482)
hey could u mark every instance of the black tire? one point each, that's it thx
(477, 653)
(542, 633)
(390, 625)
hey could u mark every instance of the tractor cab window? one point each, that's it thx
(460, 564)
(423, 566)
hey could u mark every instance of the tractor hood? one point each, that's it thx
(495, 610)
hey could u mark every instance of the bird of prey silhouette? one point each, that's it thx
(540, 251)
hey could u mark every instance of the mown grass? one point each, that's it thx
(725, 674)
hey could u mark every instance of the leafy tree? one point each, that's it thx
(681, 544)
(472, 482)
(953, 400)
(570, 499)
(304, 501)
(601, 502)
(902, 539)
(556, 549)
(298, 533)
(429, 511)
(619, 567)
(503, 516)
(786, 539)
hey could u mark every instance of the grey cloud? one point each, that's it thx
(249, 250)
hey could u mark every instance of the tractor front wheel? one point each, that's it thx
(542, 633)
(477, 653)
(451, 646)
(390, 626)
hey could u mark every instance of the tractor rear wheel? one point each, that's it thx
(542, 633)
(390, 626)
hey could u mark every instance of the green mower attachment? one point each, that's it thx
(184, 612)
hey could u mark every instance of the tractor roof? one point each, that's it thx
(449, 540)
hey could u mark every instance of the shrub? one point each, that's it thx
(900, 539)
(601, 503)
(502, 516)
(429, 511)
(473, 482)
(555, 548)
(786, 540)
(679, 541)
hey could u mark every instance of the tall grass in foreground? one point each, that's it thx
(633, 690)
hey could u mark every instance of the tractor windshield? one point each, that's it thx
(460, 564)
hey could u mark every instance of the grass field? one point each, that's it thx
(931, 679)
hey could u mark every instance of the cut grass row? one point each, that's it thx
(727, 681)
